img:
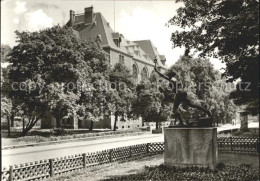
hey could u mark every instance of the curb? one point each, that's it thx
(63, 141)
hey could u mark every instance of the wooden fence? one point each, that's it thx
(238, 145)
(48, 168)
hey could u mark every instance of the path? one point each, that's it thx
(30, 154)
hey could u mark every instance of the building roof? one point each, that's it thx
(143, 50)
(152, 51)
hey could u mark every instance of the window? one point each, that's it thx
(117, 39)
(128, 126)
(135, 71)
(144, 73)
(123, 127)
(121, 59)
(99, 38)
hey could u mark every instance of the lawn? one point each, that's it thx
(152, 168)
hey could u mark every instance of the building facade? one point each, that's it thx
(138, 56)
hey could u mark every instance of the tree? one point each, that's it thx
(6, 110)
(5, 50)
(6, 103)
(51, 66)
(154, 101)
(228, 30)
(122, 92)
(94, 98)
(204, 86)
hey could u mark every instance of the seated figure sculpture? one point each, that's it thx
(181, 96)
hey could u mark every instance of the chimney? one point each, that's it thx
(72, 17)
(89, 15)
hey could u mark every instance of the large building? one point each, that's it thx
(138, 56)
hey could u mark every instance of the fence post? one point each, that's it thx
(51, 167)
(130, 151)
(147, 147)
(231, 147)
(84, 160)
(110, 155)
(10, 173)
(257, 146)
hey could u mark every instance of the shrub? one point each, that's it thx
(220, 166)
(222, 172)
(59, 131)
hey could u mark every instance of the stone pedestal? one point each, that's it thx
(190, 146)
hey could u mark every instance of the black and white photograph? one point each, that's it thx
(116, 90)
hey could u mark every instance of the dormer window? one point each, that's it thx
(117, 39)
(146, 56)
(99, 38)
(137, 52)
(117, 42)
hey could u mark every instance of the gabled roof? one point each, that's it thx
(152, 51)
(141, 50)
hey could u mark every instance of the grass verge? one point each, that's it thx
(39, 139)
(232, 167)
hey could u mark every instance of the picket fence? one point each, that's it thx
(48, 168)
(245, 145)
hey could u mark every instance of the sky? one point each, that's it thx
(136, 20)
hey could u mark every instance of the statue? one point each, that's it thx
(181, 97)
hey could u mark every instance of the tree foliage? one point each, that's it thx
(228, 30)
(54, 67)
(6, 106)
(204, 86)
(154, 100)
(94, 94)
(5, 50)
(122, 92)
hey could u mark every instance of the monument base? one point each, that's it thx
(190, 146)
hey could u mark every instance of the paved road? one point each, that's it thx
(30, 154)
(230, 126)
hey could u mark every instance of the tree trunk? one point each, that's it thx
(9, 126)
(157, 125)
(31, 125)
(116, 117)
(91, 125)
(12, 120)
(23, 124)
(58, 122)
(26, 130)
